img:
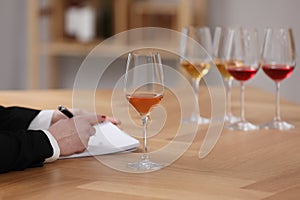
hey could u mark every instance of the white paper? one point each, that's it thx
(107, 140)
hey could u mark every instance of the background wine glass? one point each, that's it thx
(243, 65)
(221, 41)
(196, 62)
(144, 89)
(278, 63)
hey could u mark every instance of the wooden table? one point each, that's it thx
(262, 164)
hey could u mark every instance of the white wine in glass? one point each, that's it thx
(196, 70)
(195, 61)
(144, 90)
(221, 54)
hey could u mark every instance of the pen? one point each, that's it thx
(65, 111)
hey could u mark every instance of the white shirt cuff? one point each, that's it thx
(42, 120)
(56, 149)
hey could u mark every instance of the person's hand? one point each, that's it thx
(57, 115)
(72, 135)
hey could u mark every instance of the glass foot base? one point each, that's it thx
(198, 119)
(230, 119)
(145, 165)
(278, 124)
(242, 126)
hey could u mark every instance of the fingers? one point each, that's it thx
(113, 120)
(92, 119)
(96, 119)
(73, 134)
(102, 118)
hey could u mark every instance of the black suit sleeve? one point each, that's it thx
(21, 148)
(16, 118)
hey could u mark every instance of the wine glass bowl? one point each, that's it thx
(195, 62)
(278, 63)
(242, 73)
(144, 90)
(243, 65)
(278, 72)
(143, 102)
(196, 70)
(221, 65)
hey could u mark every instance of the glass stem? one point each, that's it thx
(196, 83)
(228, 85)
(145, 145)
(242, 102)
(277, 99)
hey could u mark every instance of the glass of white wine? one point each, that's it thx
(222, 38)
(144, 90)
(195, 62)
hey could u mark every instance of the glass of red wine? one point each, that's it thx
(144, 90)
(243, 65)
(278, 63)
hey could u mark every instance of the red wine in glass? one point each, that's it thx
(278, 72)
(278, 63)
(244, 51)
(242, 73)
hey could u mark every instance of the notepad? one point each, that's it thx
(108, 139)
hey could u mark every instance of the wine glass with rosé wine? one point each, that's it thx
(243, 65)
(144, 90)
(278, 63)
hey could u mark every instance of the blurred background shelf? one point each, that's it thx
(112, 17)
(68, 48)
(57, 42)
